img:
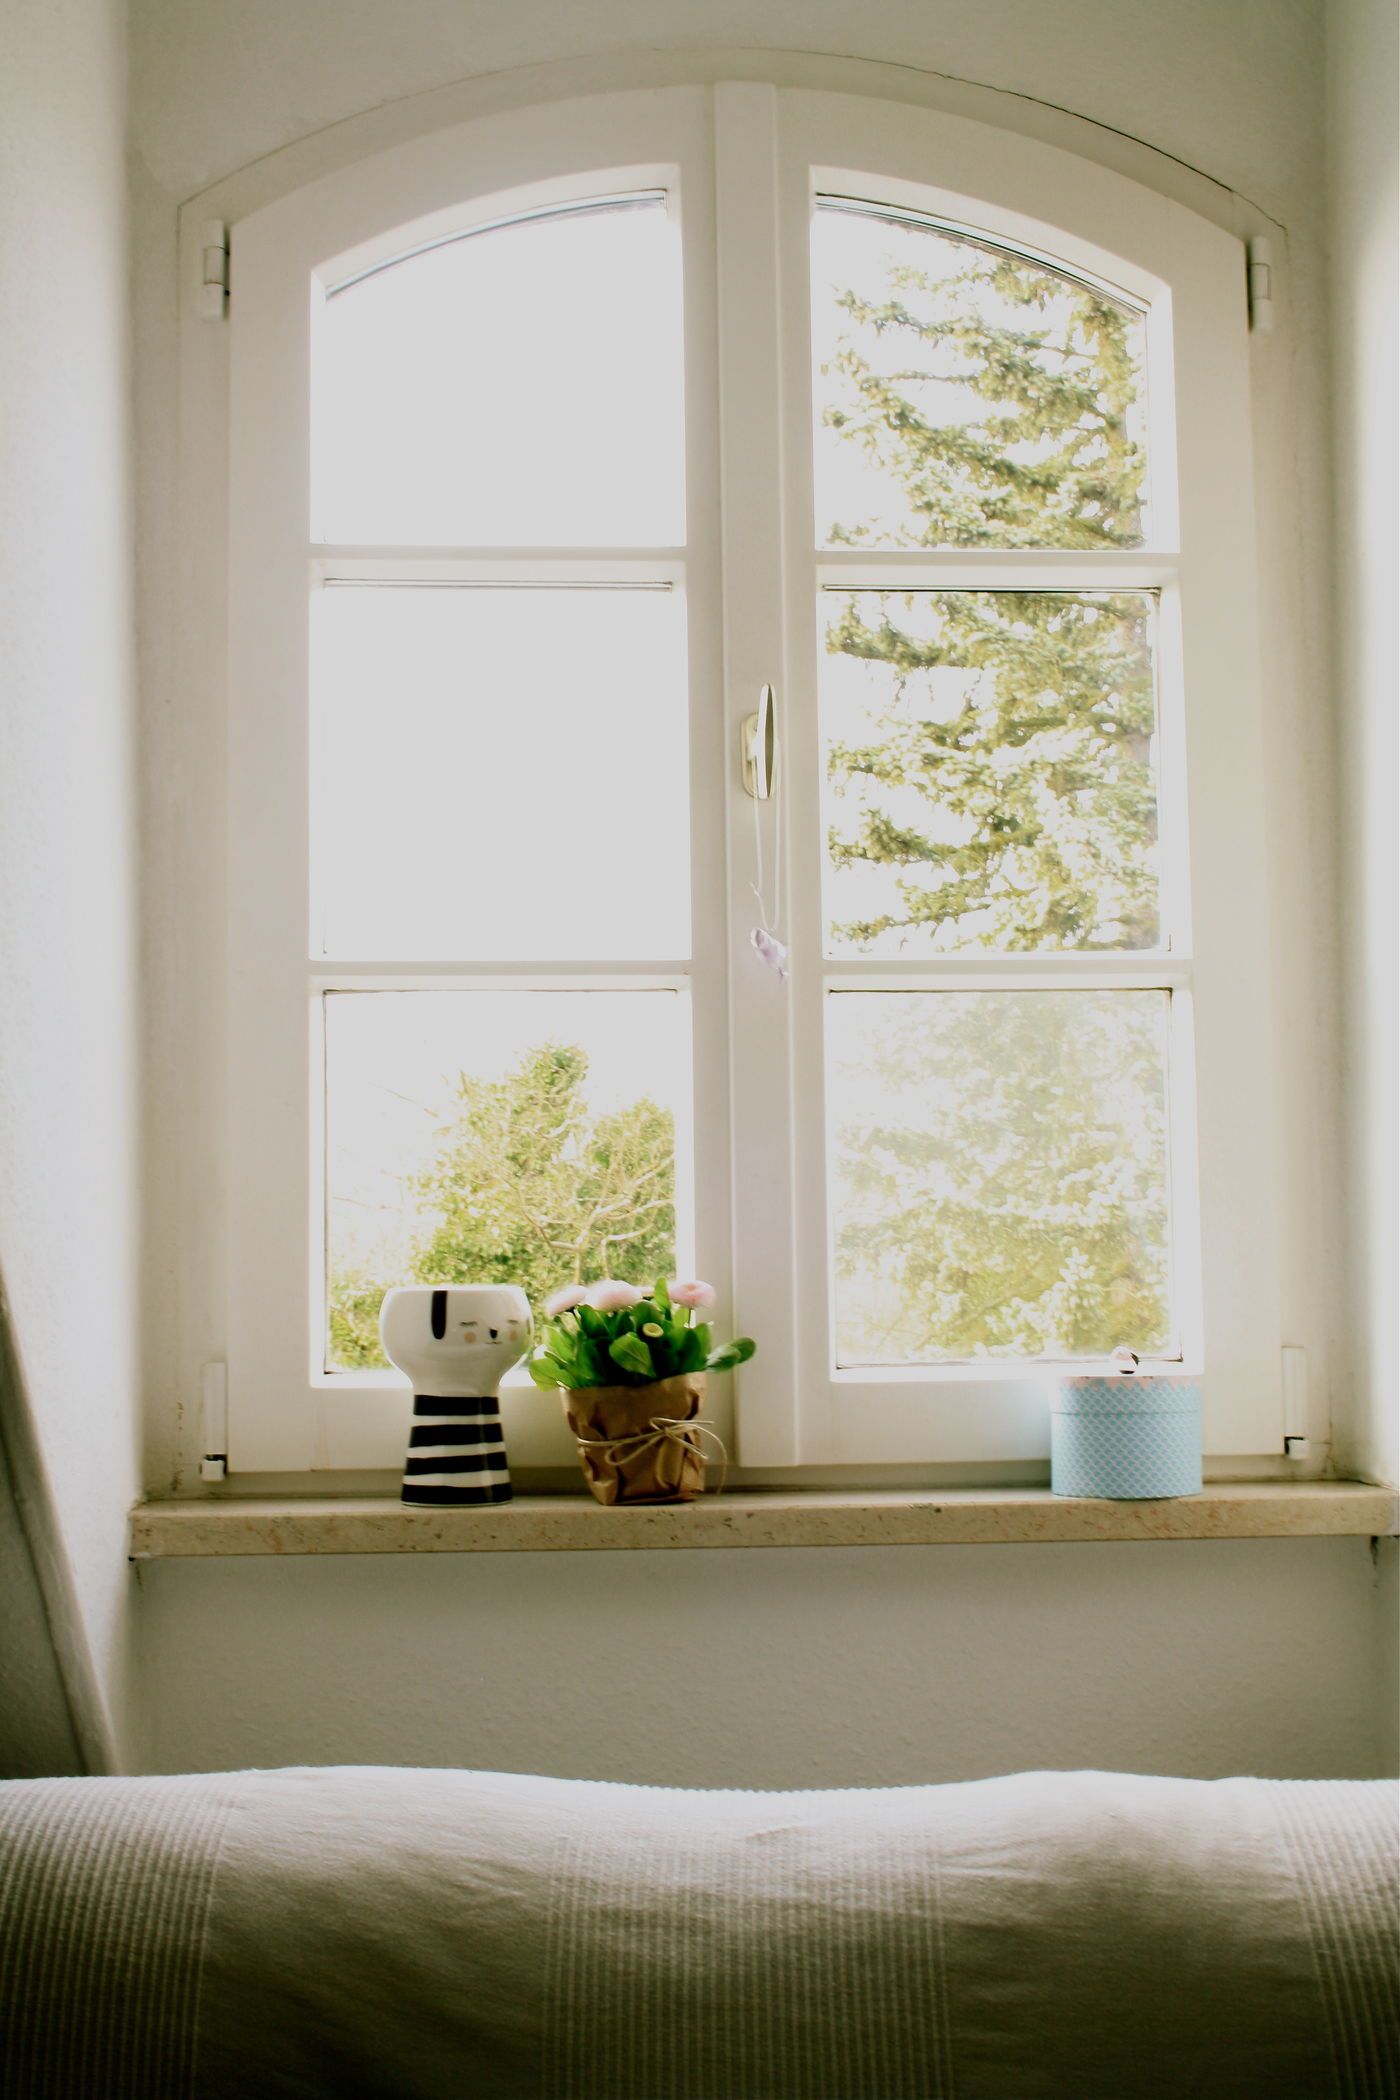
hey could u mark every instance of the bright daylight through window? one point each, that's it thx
(465, 770)
(530, 498)
(999, 1157)
(1000, 1162)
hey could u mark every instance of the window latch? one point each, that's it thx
(758, 747)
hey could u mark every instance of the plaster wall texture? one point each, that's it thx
(68, 891)
(1363, 166)
(1231, 90)
(835, 1666)
(312, 1661)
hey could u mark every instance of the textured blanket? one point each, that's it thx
(1087, 1936)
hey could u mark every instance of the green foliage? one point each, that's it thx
(1002, 1170)
(1036, 788)
(631, 1356)
(1051, 461)
(354, 1321)
(730, 1354)
(1003, 1181)
(1032, 819)
(631, 1345)
(526, 1188)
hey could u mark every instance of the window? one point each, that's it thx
(551, 445)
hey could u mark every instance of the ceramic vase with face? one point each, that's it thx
(455, 1345)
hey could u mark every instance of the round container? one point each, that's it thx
(1126, 1439)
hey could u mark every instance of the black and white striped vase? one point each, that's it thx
(455, 1345)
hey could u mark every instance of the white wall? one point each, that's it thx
(1231, 90)
(1363, 159)
(1193, 1658)
(780, 1667)
(68, 1015)
(37, 1735)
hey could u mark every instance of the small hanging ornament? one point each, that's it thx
(770, 950)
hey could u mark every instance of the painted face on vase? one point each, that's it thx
(457, 1341)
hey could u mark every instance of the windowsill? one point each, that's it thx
(561, 1523)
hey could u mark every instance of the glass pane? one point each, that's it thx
(500, 773)
(968, 397)
(521, 387)
(999, 1174)
(499, 1137)
(990, 774)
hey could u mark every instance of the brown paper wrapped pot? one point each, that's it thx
(658, 1466)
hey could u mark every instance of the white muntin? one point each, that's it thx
(455, 1344)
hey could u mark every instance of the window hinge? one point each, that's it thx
(213, 273)
(1261, 285)
(214, 1422)
(1295, 1402)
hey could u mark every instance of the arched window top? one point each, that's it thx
(512, 382)
(616, 411)
(969, 394)
(582, 208)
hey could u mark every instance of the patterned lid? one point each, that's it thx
(1128, 1396)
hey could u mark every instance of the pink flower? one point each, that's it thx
(612, 1296)
(699, 1296)
(564, 1300)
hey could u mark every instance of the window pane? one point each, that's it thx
(520, 387)
(990, 778)
(499, 1137)
(968, 397)
(500, 773)
(999, 1174)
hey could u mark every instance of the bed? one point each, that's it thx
(366, 1931)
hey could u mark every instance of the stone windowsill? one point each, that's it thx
(233, 1525)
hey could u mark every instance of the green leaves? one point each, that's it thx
(1000, 1176)
(1003, 774)
(527, 1185)
(691, 1351)
(1000, 1170)
(567, 1356)
(630, 1353)
(993, 427)
(997, 789)
(731, 1353)
(633, 1346)
(550, 1371)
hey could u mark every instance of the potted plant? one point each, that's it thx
(630, 1366)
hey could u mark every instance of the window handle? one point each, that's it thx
(758, 746)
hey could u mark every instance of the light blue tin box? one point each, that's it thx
(1126, 1438)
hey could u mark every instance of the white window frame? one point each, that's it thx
(285, 1413)
(746, 160)
(1190, 277)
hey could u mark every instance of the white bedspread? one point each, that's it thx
(420, 1934)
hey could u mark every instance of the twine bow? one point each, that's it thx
(688, 1431)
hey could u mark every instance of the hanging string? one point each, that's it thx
(767, 944)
